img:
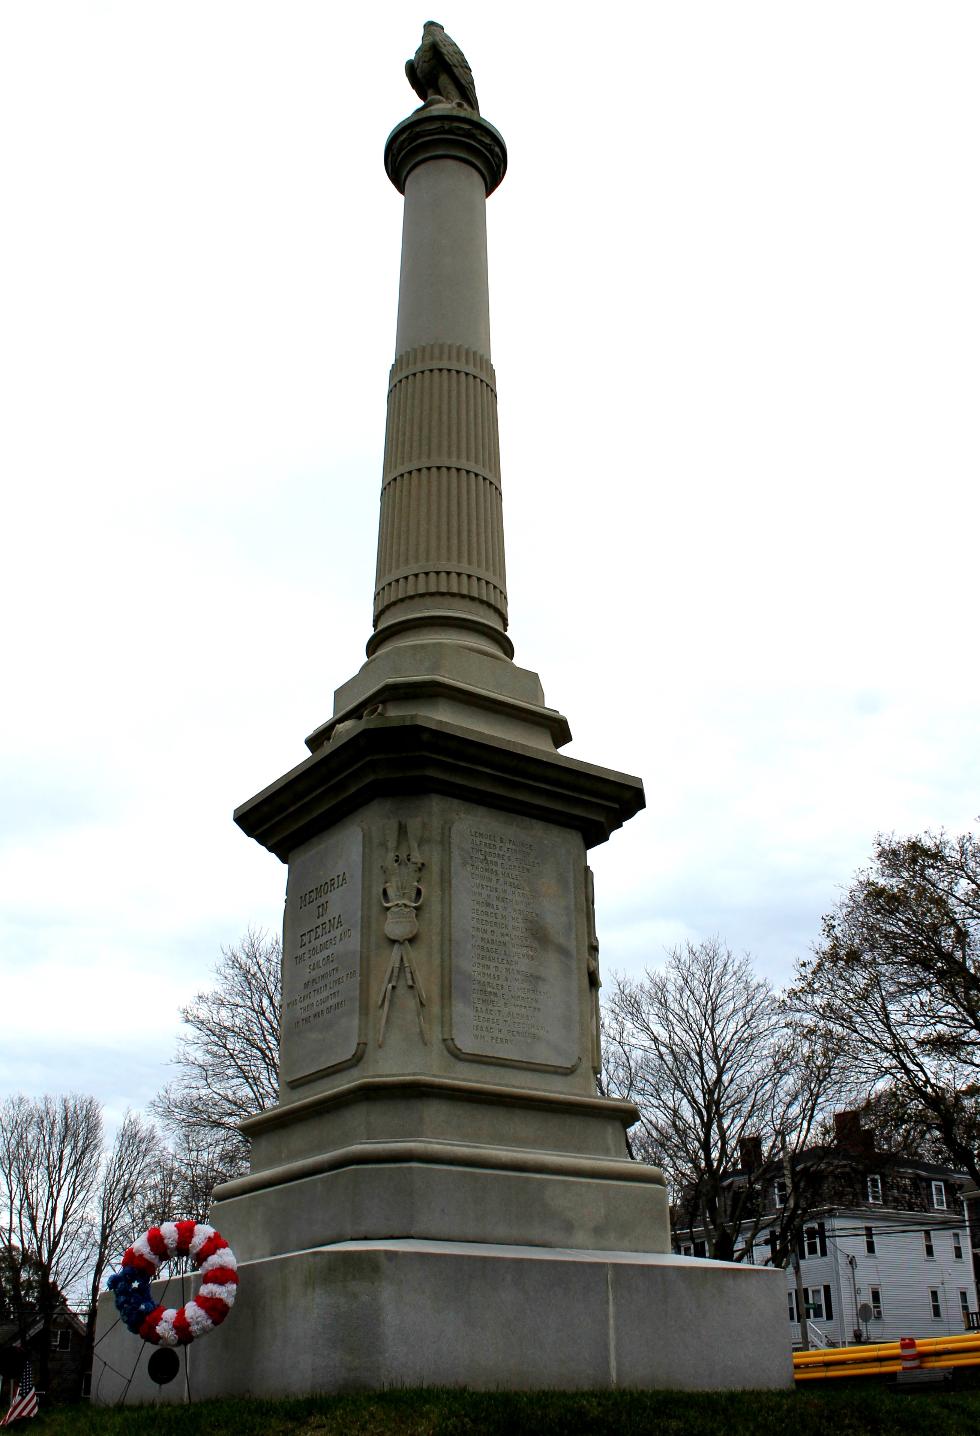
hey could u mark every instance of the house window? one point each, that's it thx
(964, 1303)
(700, 1249)
(61, 1340)
(875, 1294)
(939, 1195)
(687, 1249)
(791, 1298)
(937, 1310)
(874, 1190)
(869, 1240)
(812, 1241)
(781, 1192)
(819, 1303)
(927, 1243)
(957, 1246)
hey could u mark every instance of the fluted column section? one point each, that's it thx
(440, 567)
(441, 533)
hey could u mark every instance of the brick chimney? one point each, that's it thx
(850, 1137)
(750, 1153)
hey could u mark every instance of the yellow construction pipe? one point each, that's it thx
(885, 1350)
(934, 1353)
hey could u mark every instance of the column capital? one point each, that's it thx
(445, 132)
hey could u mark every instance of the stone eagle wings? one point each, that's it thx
(439, 71)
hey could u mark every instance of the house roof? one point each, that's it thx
(10, 1330)
(867, 1161)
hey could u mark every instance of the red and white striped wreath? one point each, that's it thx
(212, 1257)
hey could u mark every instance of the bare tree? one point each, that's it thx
(50, 1156)
(895, 984)
(900, 1126)
(725, 1084)
(183, 1180)
(115, 1219)
(228, 1057)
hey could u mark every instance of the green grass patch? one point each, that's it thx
(857, 1411)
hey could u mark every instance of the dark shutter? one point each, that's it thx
(801, 1244)
(828, 1305)
(771, 1239)
(822, 1237)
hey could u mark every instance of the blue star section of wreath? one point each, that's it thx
(133, 1300)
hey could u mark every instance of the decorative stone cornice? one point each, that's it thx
(382, 757)
(421, 1085)
(443, 132)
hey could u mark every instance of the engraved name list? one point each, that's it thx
(513, 945)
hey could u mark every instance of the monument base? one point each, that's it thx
(368, 1315)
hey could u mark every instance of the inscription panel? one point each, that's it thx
(321, 956)
(514, 978)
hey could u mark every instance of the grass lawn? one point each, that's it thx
(865, 1410)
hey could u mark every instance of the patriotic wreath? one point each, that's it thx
(212, 1257)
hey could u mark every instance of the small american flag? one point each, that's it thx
(25, 1398)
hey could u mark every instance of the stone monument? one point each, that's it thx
(441, 1197)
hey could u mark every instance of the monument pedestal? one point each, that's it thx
(363, 1315)
(441, 1198)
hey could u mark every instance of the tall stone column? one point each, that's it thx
(441, 1196)
(441, 539)
(439, 644)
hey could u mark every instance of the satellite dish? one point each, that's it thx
(163, 1365)
(865, 1312)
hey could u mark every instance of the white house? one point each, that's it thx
(886, 1253)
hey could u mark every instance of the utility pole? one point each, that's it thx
(795, 1256)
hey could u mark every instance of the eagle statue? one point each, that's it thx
(439, 73)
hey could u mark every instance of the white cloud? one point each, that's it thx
(734, 299)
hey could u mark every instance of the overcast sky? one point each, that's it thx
(735, 305)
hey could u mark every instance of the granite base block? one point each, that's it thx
(576, 1206)
(366, 1315)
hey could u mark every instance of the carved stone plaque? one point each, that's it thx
(515, 982)
(321, 964)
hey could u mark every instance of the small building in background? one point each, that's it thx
(884, 1252)
(67, 1375)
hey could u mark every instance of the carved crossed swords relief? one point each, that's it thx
(401, 895)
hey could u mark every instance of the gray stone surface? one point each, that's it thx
(440, 539)
(447, 1191)
(462, 1106)
(321, 956)
(439, 132)
(543, 908)
(441, 569)
(452, 681)
(515, 986)
(443, 293)
(413, 752)
(362, 1315)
